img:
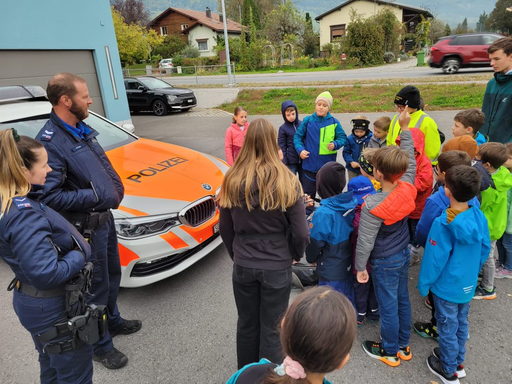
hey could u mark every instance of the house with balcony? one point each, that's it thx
(197, 28)
(334, 22)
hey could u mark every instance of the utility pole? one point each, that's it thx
(226, 42)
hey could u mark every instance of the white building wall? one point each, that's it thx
(363, 7)
(200, 33)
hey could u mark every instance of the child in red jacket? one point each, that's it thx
(423, 182)
(235, 134)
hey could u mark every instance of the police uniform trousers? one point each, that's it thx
(38, 315)
(106, 279)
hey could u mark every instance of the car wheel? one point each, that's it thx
(159, 108)
(451, 66)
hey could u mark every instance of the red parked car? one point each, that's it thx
(462, 51)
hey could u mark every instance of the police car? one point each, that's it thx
(168, 219)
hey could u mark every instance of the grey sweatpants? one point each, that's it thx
(488, 269)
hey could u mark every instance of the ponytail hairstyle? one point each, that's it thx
(318, 331)
(17, 153)
(258, 173)
(237, 111)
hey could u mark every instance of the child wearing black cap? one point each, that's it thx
(358, 140)
(409, 98)
(330, 229)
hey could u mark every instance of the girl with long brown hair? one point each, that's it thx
(263, 225)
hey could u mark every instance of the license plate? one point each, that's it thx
(216, 228)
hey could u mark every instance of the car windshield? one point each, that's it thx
(110, 136)
(152, 83)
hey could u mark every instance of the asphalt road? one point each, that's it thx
(189, 320)
(407, 69)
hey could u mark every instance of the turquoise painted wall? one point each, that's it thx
(68, 25)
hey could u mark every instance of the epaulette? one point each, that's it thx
(22, 203)
(47, 134)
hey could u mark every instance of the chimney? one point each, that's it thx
(221, 17)
(208, 13)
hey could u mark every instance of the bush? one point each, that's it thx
(389, 57)
(364, 40)
(190, 52)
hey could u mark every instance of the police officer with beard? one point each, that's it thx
(84, 187)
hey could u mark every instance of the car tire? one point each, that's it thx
(451, 65)
(159, 108)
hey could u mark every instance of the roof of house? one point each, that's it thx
(212, 22)
(403, 6)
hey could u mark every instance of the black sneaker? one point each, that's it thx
(461, 372)
(426, 330)
(128, 327)
(113, 359)
(434, 364)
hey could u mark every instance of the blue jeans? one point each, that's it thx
(390, 278)
(453, 328)
(346, 287)
(261, 298)
(506, 242)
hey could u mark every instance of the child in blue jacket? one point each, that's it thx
(285, 137)
(330, 229)
(458, 246)
(434, 207)
(317, 140)
(359, 139)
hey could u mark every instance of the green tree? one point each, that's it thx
(437, 30)
(480, 25)
(462, 27)
(171, 45)
(133, 11)
(133, 41)
(500, 19)
(283, 20)
(447, 30)
(311, 40)
(250, 13)
(392, 30)
(364, 40)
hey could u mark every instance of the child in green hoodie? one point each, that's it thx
(494, 206)
(504, 270)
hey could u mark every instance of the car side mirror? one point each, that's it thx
(142, 88)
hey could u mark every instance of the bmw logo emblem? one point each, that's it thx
(207, 187)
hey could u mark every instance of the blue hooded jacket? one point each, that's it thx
(454, 254)
(330, 230)
(434, 206)
(314, 135)
(353, 148)
(286, 133)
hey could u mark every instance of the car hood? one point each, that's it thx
(172, 91)
(162, 178)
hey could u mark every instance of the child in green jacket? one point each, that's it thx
(504, 270)
(494, 206)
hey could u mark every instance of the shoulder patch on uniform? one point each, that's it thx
(21, 203)
(47, 134)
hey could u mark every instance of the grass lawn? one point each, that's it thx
(358, 98)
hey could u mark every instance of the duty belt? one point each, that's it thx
(32, 291)
(87, 220)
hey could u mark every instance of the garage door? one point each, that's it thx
(37, 67)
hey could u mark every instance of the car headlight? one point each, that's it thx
(139, 227)
(171, 98)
